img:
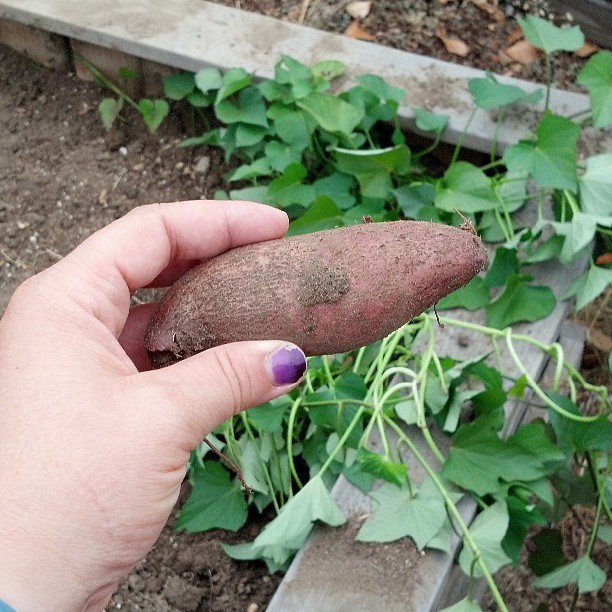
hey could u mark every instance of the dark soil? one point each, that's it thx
(413, 25)
(62, 176)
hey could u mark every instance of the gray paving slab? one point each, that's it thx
(191, 34)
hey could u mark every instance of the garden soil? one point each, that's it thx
(63, 176)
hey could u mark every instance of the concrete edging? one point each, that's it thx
(191, 34)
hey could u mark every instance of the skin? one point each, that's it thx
(93, 447)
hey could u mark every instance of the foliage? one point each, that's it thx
(329, 159)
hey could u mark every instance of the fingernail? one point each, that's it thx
(285, 365)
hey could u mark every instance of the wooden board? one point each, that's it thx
(311, 581)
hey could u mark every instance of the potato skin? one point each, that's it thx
(328, 292)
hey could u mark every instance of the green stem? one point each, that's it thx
(538, 391)
(548, 81)
(467, 536)
(105, 80)
(494, 164)
(498, 123)
(341, 442)
(462, 136)
(290, 430)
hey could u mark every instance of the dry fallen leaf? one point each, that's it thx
(356, 31)
(587, 49)
(493, 11)
(453, 45)
(358, 10)
(523, 52)
(599, 339)
(515, 35)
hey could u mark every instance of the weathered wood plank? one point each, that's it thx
(42, 47)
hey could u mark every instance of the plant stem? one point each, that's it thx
(467, 536)
(105, 80)
(548, 81)
(462, 136)
(290, 430)
(341, 442)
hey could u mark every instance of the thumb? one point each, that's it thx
(214, 385)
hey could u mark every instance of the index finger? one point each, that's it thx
(159, 241)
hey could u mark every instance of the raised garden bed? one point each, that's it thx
(309, 582)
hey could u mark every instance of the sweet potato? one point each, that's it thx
(328, 292)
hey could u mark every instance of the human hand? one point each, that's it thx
(92, 451)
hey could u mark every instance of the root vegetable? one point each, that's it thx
(328, 292)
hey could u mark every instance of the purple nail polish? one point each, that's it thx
(286, 365)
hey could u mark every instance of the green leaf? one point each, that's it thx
(532, 438)
(548, 554)
(542, 34)
(490, 93)
(478, 459)
(407, 411)
(382, 467)
(289, 71)
(269, 416)
(331, 113)
(209, 79)
(215, 502)
(109, 110)
(289, 189)
(430, 122)
(411, 198)
(251, 465)
(232, 81)
(381, 89)
(596, 184)
(338, 187)
(520, 302)
(291, 126)
(549, 249)
(328, 69)
(589, 576)
(179, 86)
(575, 436)
(260, 167)
(465, 605)
(551, 159)
(398, 514)
(295, 521)
(466, 188)
(127, 73)
(522, 517)
(578, 233)
(459, 398)
(487, 531)
(505, 264)
(248, 135)
(251, 194)
(596, 76)
(373, 168)
(153, 112)
(472, 296)
(249, 108)
(604, 533)
(590, 285)
(322, 214)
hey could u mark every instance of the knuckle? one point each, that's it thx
(235, 378)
